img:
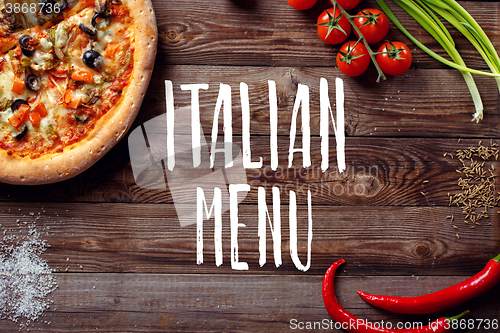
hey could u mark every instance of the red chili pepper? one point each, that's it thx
(353, 324)
(443, 299)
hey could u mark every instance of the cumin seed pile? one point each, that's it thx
(477, 183)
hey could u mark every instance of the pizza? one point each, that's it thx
(73, 75)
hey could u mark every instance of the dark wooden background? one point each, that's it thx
(123, 262)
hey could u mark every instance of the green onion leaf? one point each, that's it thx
(424, 12)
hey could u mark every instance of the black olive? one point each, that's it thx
(21, 134)
(64, 5)
(33, 82)
(26, 47)
(23, 40)
(27, 53)
(96, 16)
(92, 59)
(17, 103)
(88, 31)
(81, 119)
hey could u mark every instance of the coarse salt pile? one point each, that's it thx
(25, 278)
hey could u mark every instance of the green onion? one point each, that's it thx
(422, 12)
(457, 16)
(429, 22)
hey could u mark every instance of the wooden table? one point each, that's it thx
(125, 264)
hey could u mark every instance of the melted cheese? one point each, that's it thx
(41, 61)
(6, 79)
(61, 35)
(68, 43)
(46, 44)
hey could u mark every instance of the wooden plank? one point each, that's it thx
(283, 35)
(380, 172)
(129, 238)
(437, 100)
(125, 264)
(211, 303)
(390, 171)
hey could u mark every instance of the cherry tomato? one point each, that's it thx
(302, 4)
(394, 58)
(373, 24)
(353, 58)
(332, 27)
(348, 4)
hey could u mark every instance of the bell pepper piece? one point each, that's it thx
(20, 116)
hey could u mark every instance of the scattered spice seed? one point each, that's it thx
(477, 184)
(448, 154)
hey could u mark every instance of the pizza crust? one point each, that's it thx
(79, 156)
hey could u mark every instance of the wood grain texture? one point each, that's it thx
(272, 33)
(229, 303)
(381, 172)
(125, 264)
(435, 100)
(130, 238)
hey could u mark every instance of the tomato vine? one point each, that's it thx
(372, 54)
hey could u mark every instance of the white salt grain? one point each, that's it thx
(25, 278)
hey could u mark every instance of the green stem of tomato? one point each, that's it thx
(381, 74)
